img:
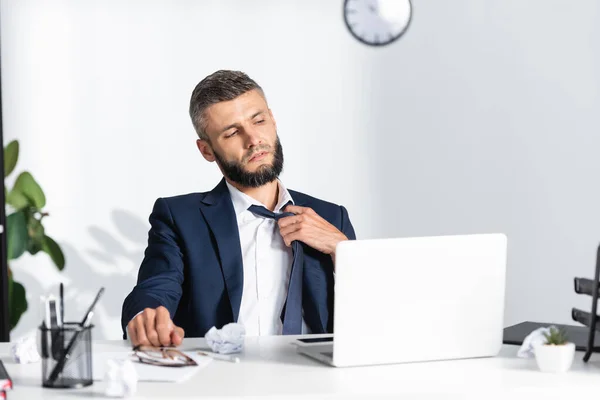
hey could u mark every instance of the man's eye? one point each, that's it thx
(231, 134)
(260, 122)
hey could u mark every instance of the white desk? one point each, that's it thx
(270, 367)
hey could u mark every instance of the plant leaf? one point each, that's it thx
(11, 155)
(16, 234)
(17, 302)
(17, 200)
(556, 336)
(35, 230)
(52, 248)
(34, 246)
(30, 188)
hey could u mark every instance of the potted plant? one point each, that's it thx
(24, 228)
(556, 353)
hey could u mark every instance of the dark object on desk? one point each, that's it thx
(74, 367)
(584, 286)
(516, 334)
(55, 323)
(584, 336)
(5, 381)
(78, 336)
(62, 302)
(316, 340)
(583, 317)
(590, 288)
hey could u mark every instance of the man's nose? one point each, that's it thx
(253, 137)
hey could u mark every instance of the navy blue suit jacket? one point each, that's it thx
(193, 263)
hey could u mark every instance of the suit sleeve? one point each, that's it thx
(347, 228)
(160, 277)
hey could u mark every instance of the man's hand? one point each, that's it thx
(308, 227)
(153, 327)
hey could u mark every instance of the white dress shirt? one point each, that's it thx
(267, 263)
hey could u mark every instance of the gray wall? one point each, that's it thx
(488, 119)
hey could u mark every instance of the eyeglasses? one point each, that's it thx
(162, 356)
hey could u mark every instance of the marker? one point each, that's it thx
(62, 304)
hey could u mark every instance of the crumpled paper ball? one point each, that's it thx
(25, 351)
(534, 338)
(121, 378)
(227, 340)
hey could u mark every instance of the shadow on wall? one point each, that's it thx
(112, 249)
(112, 263)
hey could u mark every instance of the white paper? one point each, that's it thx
(227, 340)
(527, 349)
(121, 378)
(24, 350)
(147, 372)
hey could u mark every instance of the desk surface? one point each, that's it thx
(270, 367)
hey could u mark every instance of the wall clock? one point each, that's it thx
(377, 22)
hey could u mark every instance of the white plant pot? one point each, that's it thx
(552, 358)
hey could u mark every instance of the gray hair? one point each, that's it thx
(222, 85)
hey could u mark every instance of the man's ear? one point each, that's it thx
(205, 150)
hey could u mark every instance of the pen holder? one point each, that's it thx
(66, 355)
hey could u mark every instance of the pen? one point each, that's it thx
(85, 318)
(62, 303)
(223, 357)
(46, 301)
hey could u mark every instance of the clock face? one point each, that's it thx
(377, 22)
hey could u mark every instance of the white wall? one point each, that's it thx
(480, 119)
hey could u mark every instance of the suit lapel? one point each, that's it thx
(219, 214)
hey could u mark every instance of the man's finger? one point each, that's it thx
(296, 209)
(131, 333)
(289, 238)
(285, 231)
(150, 325)
(293, 219)
(164, 326)
(140, 331)
(177, 335)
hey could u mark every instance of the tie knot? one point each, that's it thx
(266, 213)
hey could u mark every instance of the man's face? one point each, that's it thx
(243, 140)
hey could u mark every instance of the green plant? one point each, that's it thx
(24, 228)
(556, 336)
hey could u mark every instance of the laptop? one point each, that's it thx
(401, 300)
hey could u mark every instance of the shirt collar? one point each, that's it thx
(241, 201)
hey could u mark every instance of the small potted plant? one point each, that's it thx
(556, 353)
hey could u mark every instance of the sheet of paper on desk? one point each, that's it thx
(149, 373)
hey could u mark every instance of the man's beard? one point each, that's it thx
(263, 175)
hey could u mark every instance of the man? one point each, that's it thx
(249, 251)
